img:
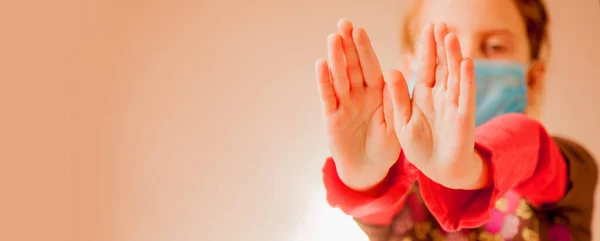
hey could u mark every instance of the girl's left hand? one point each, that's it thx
(436, 128)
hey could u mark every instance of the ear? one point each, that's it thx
(536, 75)
(536, 85)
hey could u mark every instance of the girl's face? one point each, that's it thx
(487, 29)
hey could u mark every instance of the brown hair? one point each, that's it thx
(533, 12)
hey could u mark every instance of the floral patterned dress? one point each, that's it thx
(512, 219)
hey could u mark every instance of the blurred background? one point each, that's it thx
(199, 120)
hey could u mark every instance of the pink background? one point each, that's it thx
(199, 120)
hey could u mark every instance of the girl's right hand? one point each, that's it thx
(358, 111)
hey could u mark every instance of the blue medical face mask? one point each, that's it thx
(501, 88)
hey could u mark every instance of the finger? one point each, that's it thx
(466, 99)
(388, 108)
(354, 70)
(337, 65)
(326, 93)
(454, 55)
(426, 57)
(368, 60)
(441, 71)
(400, 98)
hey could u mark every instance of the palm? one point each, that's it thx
(436, 128)
(357, 113)
(359, 135)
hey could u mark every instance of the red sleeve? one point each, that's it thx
(377, 206)
(521, 156)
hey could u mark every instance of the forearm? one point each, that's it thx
(518, 155)
(524, 158)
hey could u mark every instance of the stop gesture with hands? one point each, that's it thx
(368, 120)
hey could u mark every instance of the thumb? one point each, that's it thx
(400, 98)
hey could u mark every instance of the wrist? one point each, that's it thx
(472, 174)
(365, 180)
(482, 172)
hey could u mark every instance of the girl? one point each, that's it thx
(429, 160)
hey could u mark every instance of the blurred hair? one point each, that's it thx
(533, 12)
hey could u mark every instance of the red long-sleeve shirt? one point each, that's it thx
(521, 157)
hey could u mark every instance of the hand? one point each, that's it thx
(437, 127)
(358, 112)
